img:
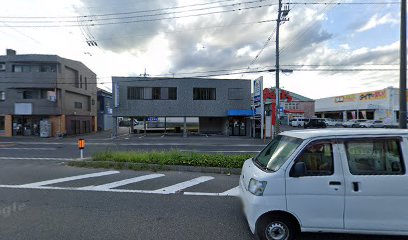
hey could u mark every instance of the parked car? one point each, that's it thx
(372, 124)
(353, 123)
(297, 122)
(315, 123)
(331, 180)
(331, 122)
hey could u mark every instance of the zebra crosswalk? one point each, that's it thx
(122, 186)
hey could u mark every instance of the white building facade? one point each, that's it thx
(376, 105)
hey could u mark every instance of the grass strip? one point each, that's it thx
(173, 157)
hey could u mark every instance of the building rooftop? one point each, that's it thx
(339, 132)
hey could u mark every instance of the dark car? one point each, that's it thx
(315, 123)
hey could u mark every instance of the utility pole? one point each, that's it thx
(282, 14)
(403, 67)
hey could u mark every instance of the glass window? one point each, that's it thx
(156, 93)
(2, 67)
(164, 93)
(78, 105)
(172, 93)
(273, 156)
(135, 93)
(375, 157)
(2, 95)
(147, 93)
(204, 94)
(318, 159)
(2, 123)
(29, 94)
(18, 68)
(80, 81)
(86, 83)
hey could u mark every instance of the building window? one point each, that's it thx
(2, 67)
(135, 93)
(235, 93)
(17, 68)
(86, 83)
(148, 93)
(204, 94)
(2, 123)
(156, 93)
(29, 94)
(78, 105)
(2, 95)
(80, 81)
(173, 93)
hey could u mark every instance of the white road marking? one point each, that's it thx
(66, 179)
(123, 182)
(180, 186)
(234, 192)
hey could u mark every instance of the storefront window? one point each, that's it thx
(2, 124)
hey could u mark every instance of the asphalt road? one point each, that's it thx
(32, 207)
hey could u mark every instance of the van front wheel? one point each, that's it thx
(276, 228)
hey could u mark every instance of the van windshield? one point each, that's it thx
(273, 156)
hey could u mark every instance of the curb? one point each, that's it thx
(155, 167)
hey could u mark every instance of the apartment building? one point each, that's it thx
(35, 88)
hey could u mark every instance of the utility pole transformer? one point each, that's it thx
(403, 67)
(282, 17)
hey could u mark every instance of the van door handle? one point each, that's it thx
(356, 187)
(334, 183)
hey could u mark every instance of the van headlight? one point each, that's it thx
(256, 187)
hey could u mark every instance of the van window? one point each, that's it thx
(273, 156)
(375, 157)
(318, 158)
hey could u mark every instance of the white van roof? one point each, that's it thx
(340, 132)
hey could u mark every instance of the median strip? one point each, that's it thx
(166, 160)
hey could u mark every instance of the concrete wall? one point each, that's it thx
(308, 108)
(184, 105)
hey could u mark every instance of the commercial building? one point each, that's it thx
(291, 105)
(105, 105)
(37, 89)
(221, 105)
(376, 105)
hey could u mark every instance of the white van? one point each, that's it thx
(332, 180)
(297, 122)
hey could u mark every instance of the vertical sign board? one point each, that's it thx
(258, 101)
(116, 94)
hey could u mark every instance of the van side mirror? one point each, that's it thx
(299, 169)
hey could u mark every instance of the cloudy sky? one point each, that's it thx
(327, 45)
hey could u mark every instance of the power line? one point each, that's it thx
(345, 3)
(111, 14)
(90, 19)
(144, 20)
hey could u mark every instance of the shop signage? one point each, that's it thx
(347, 98)
(372, 96)
(366, 96)
(258, 86)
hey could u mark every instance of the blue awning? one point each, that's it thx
(240, 113)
